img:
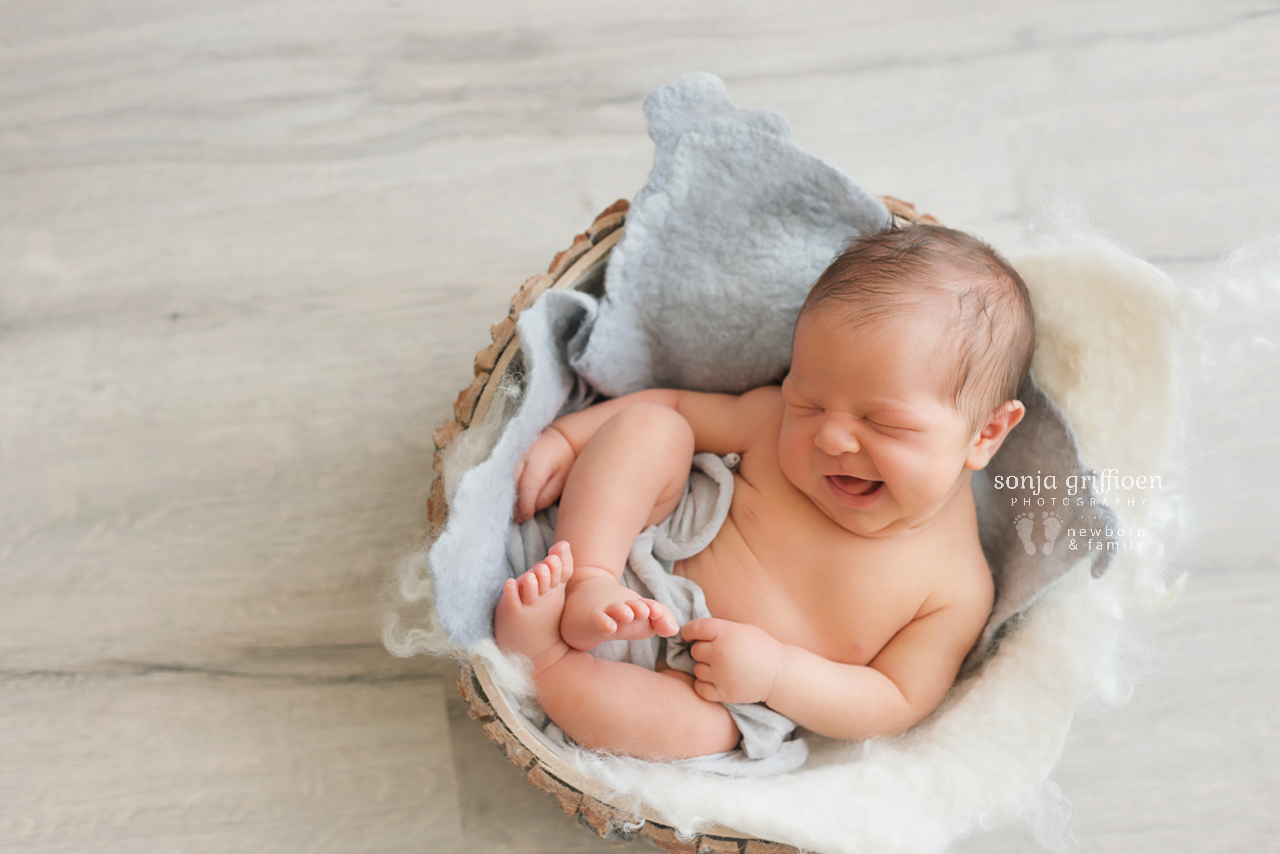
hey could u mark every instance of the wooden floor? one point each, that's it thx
(247, 250)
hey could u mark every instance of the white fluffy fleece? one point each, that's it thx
(1105, 335)
(1106, 331)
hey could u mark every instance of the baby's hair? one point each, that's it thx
(880, 274)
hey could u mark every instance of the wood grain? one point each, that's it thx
(248, 252)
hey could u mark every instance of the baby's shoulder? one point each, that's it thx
(759, 415)
(765, 397)
(760, 410)
(960, 578)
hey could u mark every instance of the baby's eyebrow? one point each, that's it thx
(788, 384)
(903, 414)
(890, 406)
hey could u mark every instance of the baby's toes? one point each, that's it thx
(660, 618)
(639, 609)
(528, 587)
(621, 612)
(604, 623)
(563, 567)
(560, 551)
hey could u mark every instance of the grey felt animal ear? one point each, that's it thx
(722, 245)
(1026, 522)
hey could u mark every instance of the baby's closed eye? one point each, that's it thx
(888, 428)
(797, 403)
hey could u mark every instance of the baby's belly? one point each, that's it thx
(834, 619)
(731, 577)
(739, 587)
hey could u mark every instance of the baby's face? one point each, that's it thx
(868, 433)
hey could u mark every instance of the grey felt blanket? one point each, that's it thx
(702, 292)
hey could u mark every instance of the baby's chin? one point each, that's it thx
(877, 519)
(867, 525)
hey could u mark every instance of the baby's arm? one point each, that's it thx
(722, 423)
(906, 681)
(740, 663)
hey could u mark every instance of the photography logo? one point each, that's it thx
(1025, 525)
(1060, 522)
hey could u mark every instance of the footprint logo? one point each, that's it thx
(1024, 523)
(1052, 525)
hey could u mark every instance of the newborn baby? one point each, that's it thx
(847, 583)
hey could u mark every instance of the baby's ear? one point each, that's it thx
(992, 433)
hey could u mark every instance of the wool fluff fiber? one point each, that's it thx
(1106, 326)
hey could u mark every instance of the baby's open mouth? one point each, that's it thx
(855, 485)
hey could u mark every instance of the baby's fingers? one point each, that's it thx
(528, 488)
(706, 691)
(701, 629)
(550, 491)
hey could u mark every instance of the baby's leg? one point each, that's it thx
(630, 475)
(604, 705)
(624, 708)
(527, 619)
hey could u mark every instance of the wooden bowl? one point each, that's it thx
(582, 267)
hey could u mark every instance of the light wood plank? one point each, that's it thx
(162, 761)
(248, 250)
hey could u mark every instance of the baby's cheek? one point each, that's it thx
(795, 467)
(929, 479)
(795, 443)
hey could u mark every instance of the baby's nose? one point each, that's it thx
(836, 437)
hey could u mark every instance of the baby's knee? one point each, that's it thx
(653, 423)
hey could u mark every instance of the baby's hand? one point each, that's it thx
(540, 476)
(736, 662)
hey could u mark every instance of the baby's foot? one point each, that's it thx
(1052, 525)
(527, 619)
(599, 609)
(1024, 523)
